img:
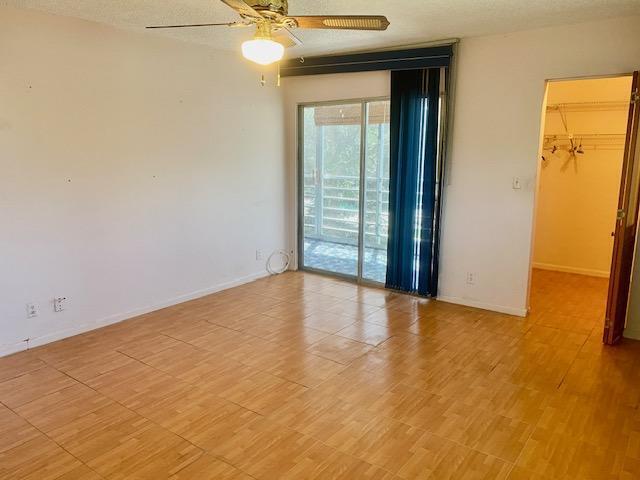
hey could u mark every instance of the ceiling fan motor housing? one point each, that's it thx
(276, 6)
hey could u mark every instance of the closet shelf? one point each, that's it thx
(588, 141)
(588, 107)
(585, 136)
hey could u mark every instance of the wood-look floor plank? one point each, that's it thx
(301, 376)
(339, 349)
(37, 459)
(19, 364)
(15, 430)
(208, 467)
(33, 385)
(60, 408)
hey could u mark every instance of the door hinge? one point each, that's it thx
(607, 323)
(621, 214)
(635, 97)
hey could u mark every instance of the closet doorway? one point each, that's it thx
(586, 208)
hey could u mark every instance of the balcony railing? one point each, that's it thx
(331, 209)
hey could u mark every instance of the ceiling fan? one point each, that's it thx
(273, 26)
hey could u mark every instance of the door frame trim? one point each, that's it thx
(625, 195)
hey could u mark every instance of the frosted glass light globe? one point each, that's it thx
(262, 50)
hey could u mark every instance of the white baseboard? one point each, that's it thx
(518, 312)
(11, 349)
(633, 334)
(576, 270)
(110, 320)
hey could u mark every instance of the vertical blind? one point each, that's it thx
(412, 255)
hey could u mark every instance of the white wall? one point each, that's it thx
(132, 175)
(501, 83)
(135, 172)
(578, 196)
(487, 226)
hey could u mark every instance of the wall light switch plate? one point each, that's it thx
(517, 183)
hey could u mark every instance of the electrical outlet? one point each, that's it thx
(32, 310)
(59, 304)
(471, 278)
(259, 255)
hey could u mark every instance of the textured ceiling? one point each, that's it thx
(412, 21)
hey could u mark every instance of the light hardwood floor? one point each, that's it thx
(303, 377)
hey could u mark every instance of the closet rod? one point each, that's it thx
(606, 146)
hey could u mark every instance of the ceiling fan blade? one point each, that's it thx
(242, 8)
(228, 24)
(343, 22)
(287, 38)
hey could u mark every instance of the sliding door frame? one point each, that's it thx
(362, 191)
(364, 102)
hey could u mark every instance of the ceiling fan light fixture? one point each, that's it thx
(264, 51)
(272, 16)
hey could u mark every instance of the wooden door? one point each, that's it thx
(626, 226)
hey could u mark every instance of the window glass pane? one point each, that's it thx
(376, 192)
(332, 136)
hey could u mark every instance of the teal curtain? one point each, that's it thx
(412, 253)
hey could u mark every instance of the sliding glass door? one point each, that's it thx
(344, 188)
